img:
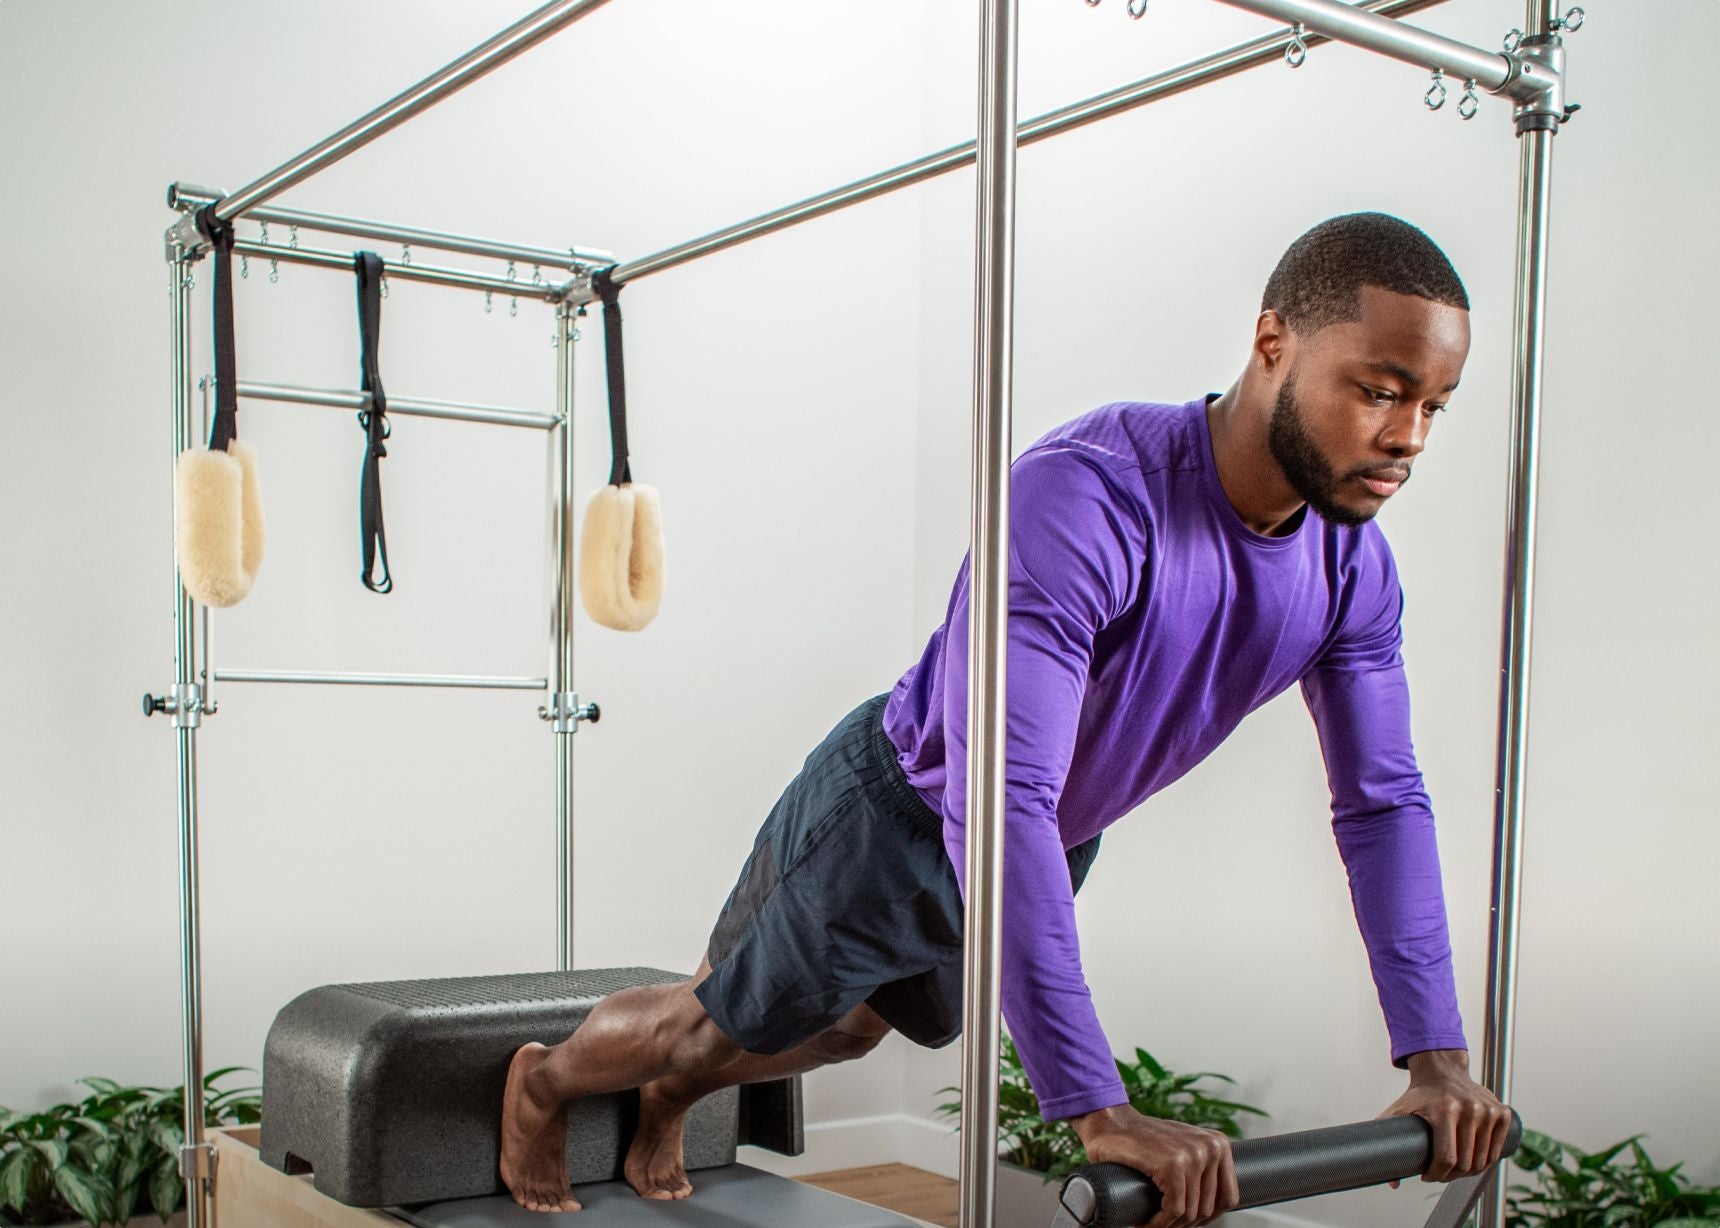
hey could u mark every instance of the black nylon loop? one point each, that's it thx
(225, 427)
(369, 267)
(620, 470)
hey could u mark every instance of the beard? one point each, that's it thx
(1306, 468)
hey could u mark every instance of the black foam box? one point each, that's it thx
(390, 1093)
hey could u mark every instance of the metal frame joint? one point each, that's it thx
(197, 1161)
(565, 712)
(1537, 83)
(186, 705)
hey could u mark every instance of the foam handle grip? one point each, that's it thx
(1270, 1170)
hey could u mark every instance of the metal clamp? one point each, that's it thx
(197, 1161)
(185, 704)
(1538, 83)
(565, 712)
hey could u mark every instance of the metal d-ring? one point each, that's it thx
(1470, 103)
(1137, 9)
(1513, 40)
(1092, 4)
(488, 305)
(1571, 22)
(1296, 51)
(1435, 96)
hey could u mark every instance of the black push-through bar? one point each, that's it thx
(1270, 1170)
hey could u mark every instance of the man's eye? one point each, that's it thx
(1433, 409)
(1379, 395)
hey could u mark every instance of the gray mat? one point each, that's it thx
(732, 1197)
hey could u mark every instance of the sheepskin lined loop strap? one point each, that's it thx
(217, 504)
(619, 469)
(374, 420)
(225, 429)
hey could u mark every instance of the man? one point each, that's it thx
(1171, 569)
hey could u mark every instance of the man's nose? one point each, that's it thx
(1405, 434)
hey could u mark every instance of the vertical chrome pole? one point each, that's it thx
(187, 710)
(563, 702)
(988, 615)
(1511, 779)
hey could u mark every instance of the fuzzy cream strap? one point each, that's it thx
(217, 503)
(621, 556)
(218, 522)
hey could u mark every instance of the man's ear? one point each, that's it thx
(1272, 341)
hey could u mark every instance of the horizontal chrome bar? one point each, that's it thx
(188, 198)
(1491, 70)
(1232, 60)
(462, 681)
(521, 36)
(458, 278)
(340, 398)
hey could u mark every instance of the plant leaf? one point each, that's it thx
(15, 1172)
(89, 1194)
(166, 1189)
(53, 1150)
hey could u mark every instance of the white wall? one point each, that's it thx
(803, 403)
(364, 834)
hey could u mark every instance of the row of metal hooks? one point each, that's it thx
(513, 274)
(1296, 55)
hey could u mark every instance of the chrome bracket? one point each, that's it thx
(197, 1161)
(565, 712)
(186, 705)
(1537, 83)
(578, 291)
(184, 241)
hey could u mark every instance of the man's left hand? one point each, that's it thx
(1469, 1124)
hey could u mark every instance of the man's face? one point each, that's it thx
(1358, 399)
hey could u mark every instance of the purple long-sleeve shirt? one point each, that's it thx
(1146, 620)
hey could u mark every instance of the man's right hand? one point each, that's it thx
(1190, 1165)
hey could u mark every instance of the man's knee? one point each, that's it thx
(691, 1040)
(854, 1036)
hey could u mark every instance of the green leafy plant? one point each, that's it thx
(111, 1154)
(1616, 1187)
(1053, 1148)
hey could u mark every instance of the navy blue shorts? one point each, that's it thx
(848, 897)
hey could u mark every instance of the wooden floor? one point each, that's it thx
(896, 1187)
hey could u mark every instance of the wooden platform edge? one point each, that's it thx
(250, 1194)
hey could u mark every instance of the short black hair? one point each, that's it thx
(1319, 280)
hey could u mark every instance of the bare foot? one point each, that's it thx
(654, 1166)
(534, 1140)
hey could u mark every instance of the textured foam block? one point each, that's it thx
(390, 1092)
(722, 1198)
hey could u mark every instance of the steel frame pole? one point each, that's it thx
(1534, 200)
(1228, 62)
(420, 407)
(564, 710)
(458, 279)
(190, 197)
(988, 613)
(1493, 71)
(195, 1157)
(489, 56)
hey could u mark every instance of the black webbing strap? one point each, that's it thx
(619, 469)
(374, 420)
(225, 428)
